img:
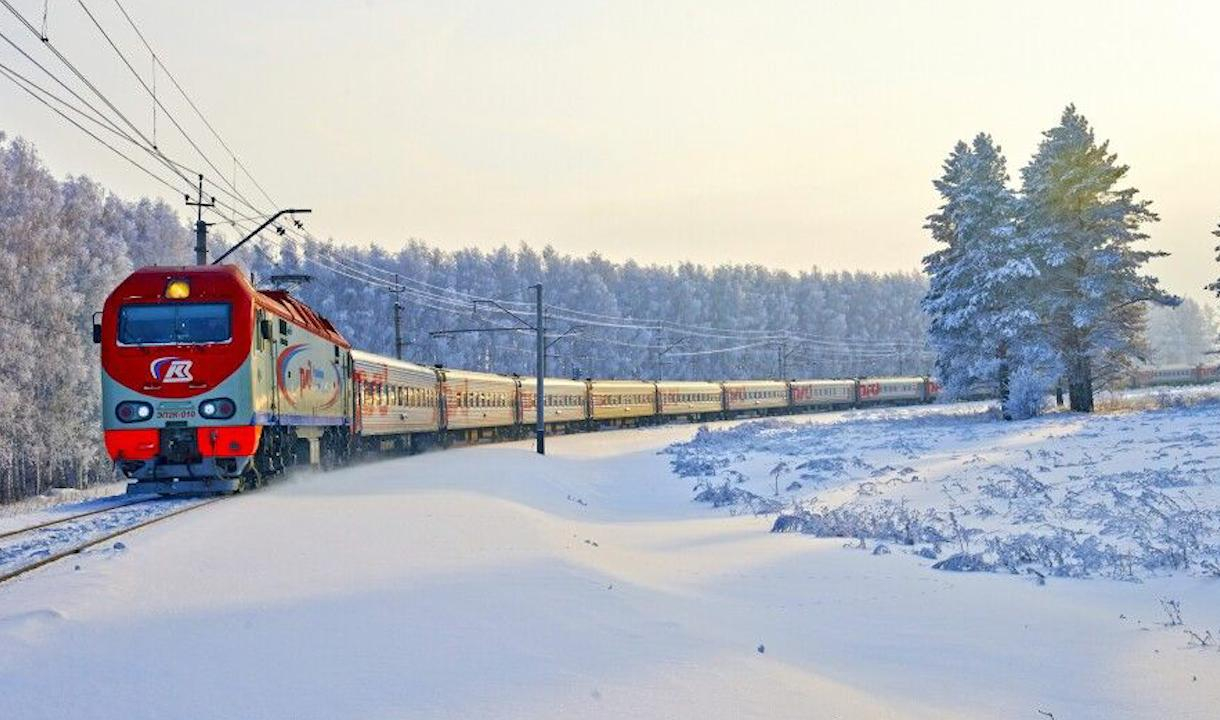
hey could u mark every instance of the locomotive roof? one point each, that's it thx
(282, 303)
(148, 283)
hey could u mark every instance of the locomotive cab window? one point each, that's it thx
(175, 324)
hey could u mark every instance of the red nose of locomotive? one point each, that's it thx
(176, 365)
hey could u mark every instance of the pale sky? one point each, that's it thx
(788, 134)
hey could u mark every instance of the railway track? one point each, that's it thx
(70, 518)
(57, 539)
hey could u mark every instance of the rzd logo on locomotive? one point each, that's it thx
(171, 370)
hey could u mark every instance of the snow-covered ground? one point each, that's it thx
(1123, 495)
(490, 582)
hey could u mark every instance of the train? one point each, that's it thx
(210, 385)
(1175, 375)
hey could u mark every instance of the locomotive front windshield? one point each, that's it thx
(175, 324)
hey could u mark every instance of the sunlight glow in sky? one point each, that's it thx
(788, 134)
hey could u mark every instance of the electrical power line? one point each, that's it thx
(20, 81)
(174, 80)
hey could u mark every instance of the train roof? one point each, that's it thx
(622, 383)
(455, 374)
(368, 357)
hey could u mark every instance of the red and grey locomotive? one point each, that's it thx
(208, 383)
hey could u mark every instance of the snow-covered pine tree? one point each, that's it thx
(980, 321)
(1092, 285)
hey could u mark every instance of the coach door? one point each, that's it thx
(266, 398)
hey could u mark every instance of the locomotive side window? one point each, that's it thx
(175, 324)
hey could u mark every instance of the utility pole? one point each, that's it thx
(782, 354)
(541, 345)
(540, 371)
(201, 228)
(397, 318)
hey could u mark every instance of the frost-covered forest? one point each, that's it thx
(1182, 335)
(624, 320)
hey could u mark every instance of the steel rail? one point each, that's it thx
(70, 518)
(5, 577)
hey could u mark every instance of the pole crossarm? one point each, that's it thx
(458, 331)
(573, 331)
(515, 316)
(260, 228)
(538, 327)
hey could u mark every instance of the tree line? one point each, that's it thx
(622, 320)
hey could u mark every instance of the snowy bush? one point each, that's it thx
(725, 495)
(1027, 393)
(1119, 496)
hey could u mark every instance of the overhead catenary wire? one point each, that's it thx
(98, 117)
(716, 351)
(19, 81)
(77, 72)
(169, 115)
(147, 142)
(178, 86)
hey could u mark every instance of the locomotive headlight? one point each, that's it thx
(217, 408)
(177, 290)
(132, 411)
